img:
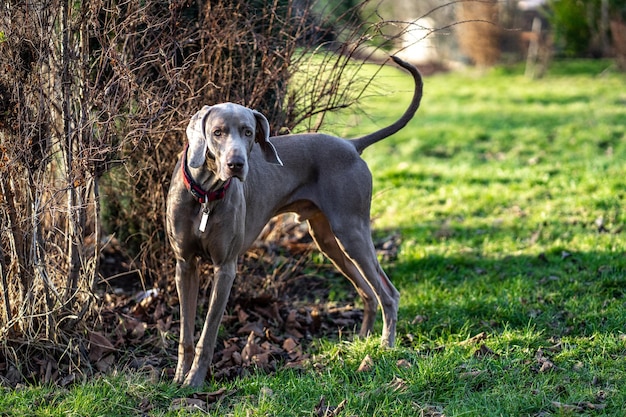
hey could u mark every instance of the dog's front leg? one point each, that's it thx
(222, 284)
(187, 287)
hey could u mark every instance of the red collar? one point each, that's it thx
(195, 189)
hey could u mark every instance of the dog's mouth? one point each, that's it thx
(239, 173)
(238, 176)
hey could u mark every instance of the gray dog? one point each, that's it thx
(232, 178)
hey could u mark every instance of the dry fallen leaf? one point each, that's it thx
(578, 407)
(251, 348)
(290, 344)
(403, 363)
(471, 374)
(397, 385)
(105, 363)
(484, 351)
(475, 339)
(323, 410)
(99, 345)
(188, 404)
(256, 327)
(67, 380)
(262, 360)
(135, 328)
(229, 353)
(242, 316)
(211, 397)
(292, 326)
(366, 364)
(545, 364)
(266, 392)
(430, 411)
(590, 406)
(566, 407)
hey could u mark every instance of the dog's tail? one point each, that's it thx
(367, 140)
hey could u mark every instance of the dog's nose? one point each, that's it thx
(235, 164)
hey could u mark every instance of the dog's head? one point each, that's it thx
(227, 132)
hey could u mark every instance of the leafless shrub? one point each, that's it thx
(94, 100)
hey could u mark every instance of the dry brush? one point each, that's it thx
(94, 100)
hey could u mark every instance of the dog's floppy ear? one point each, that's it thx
(197, 139)
(263, 139)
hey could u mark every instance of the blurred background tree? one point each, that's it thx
(489, 32)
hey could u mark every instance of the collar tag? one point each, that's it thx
(205, 218)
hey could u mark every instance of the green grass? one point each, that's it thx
(508, 194)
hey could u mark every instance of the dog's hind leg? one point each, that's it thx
(323, 235)
(352, 236)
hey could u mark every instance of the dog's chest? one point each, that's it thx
(219, 230)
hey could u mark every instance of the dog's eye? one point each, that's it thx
(248, 132)
(217, 132)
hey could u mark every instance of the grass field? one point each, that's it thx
(508, 195)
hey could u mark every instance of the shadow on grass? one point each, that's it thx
(558, 291)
